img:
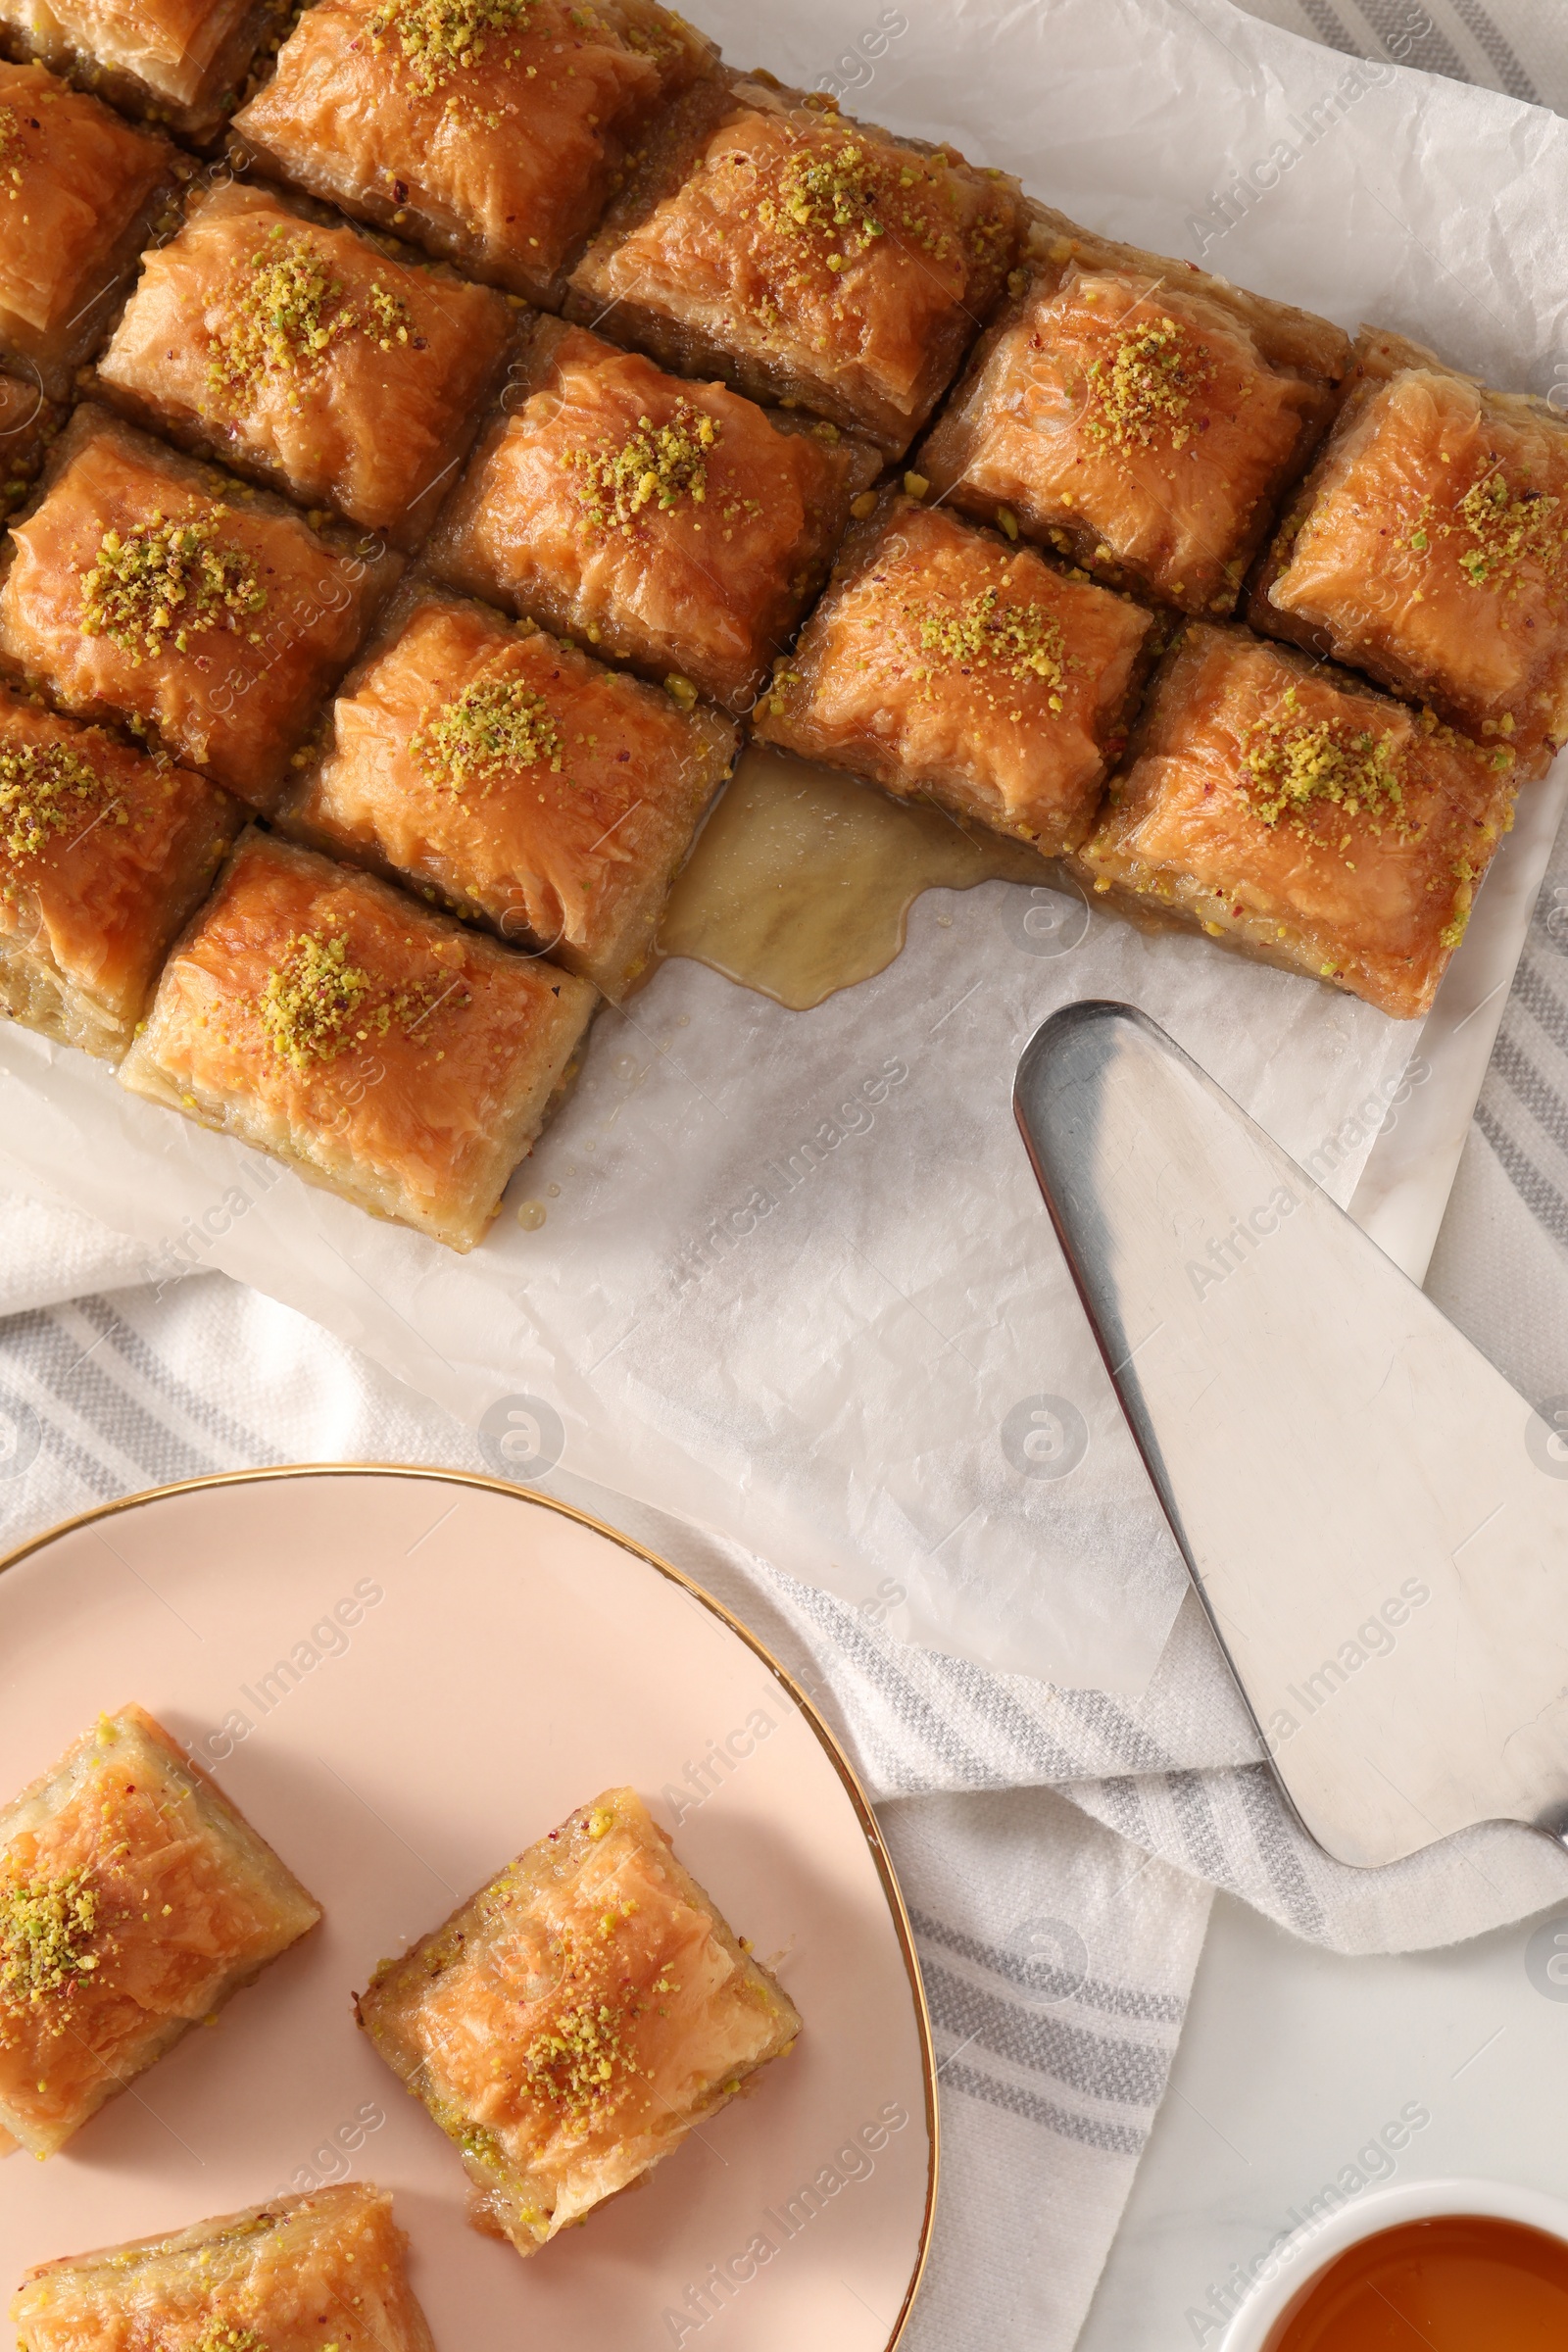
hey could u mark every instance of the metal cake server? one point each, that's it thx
(1376, 1521)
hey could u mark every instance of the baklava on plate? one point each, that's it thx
(323, 2272)
(104, 853)
(80, 194)
(302, 353)
(672, 525)
(487, 764)
(492, 132)
(572, 2023)
(1137, 416)
(1290, 810)
(803, 256)
(379, 1050)
(28, 422)
(1429, 547)
(176, 62)
(206, 614)
(135, 1901)
(948, 664)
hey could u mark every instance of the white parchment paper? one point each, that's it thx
(797, 1280)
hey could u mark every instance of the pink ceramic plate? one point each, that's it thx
(401, 1678)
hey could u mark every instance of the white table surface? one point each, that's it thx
(1292, 2059)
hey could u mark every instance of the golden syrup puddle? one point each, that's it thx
(802, 880)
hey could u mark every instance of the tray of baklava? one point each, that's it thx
(439, 435)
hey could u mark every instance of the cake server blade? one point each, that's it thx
(1377, 1523)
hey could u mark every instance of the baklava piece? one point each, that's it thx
(1293, 812)
(27, 424)
(1141, 418)
(945, 664)
(1429, 547)
(492, 132)
(323, 2272)
(379, 1050)
(301, 355)
(134, 1902)
(209, 617)
(802, 257)
(672, 525)
(572, 2023)
(179, 63)
(80, 193)
(516, 780)
(103, 854)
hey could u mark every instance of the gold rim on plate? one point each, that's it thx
(799, 1699)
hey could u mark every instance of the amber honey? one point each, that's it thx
(1458, 2283)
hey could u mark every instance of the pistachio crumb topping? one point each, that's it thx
(492, 726)
(834, 191)
(316, 1005)
(1018, 639)
(49, 1928)
(1508, 527)
(46, 789)
(10, 153)
(222, 2335)
(664, 466)
(1292, 765)
(154, 584)
(288, 312)
(441, 38)
(580, 2063)
(1145, 393)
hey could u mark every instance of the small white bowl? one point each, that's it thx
(1308, 2253)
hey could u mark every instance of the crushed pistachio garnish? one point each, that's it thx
(154, 584)
(492, 726)
(1508, 527)
(1020, 640)
(441, 38)
(580, 2062)
(1292, 765)
(222, 2335)
(316, 1005)
(1145, 393)
(49, 1929)
(835, 193)
(10, 153)
(664, 466)
(46, 789)
(287, 314)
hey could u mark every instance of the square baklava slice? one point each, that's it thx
(80, 193)
(1429, 547)
(135, 1901)
(516, 780)
(209, 617)
(1290, 810)
(323, 2272)
(308, 356)
(672, 525)
(377, 1049)
(946, 665)
(490, 132)
(180, 63)
(28, 422)
(1141, 418)
(104, 853)
(570, 2024)
(802, 255)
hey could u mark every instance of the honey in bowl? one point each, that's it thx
(1458, 2283)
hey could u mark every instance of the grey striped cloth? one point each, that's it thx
(1057, 1847)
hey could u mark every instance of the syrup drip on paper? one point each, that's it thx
(801, 881)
